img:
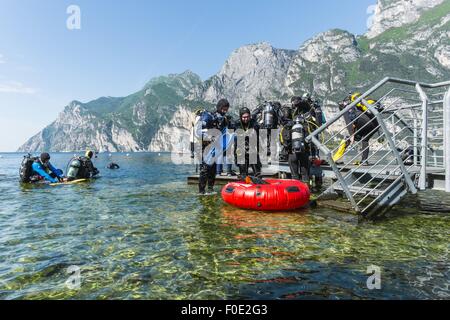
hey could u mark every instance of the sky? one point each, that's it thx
(121, 45)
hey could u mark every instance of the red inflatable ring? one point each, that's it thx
(276, 195)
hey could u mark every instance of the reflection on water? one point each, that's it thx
(142, 233)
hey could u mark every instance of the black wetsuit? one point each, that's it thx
(208, 172)
(87, 169)
(299, 162)
(312, 112)
(113, 166)
(364, 128)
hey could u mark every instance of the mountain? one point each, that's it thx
(408, 39)
(395, 13)
(250, 75)
(118, 124)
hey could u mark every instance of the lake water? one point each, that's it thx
(142, 233)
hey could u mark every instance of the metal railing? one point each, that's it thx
(403, 135)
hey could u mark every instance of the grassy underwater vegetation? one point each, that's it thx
(144, 234)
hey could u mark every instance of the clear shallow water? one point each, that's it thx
(142, 233)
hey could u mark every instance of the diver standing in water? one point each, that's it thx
(209, 121)
(246, 123)
(224, 123)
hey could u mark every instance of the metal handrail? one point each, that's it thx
(367, 94)
(392, 123)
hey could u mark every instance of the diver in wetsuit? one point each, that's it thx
(286, 123)
(364, 124)
(313, 116)
(299, 150)
(42, 169)
(82, 167)
(113, 166)
(247, 125)
(268, 116)
(312, 113)
(208, 121)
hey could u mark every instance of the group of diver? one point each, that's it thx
(294, 122)
(40, 169)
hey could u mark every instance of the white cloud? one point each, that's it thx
(16, 87)
(2, 59)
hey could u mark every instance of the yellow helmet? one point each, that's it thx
(89, 154)
(355, 96)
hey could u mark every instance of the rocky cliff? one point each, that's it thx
(394, 13)
(251, 75)
(408, 39)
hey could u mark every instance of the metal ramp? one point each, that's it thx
(407, 132)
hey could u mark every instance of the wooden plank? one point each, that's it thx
(220, 180)
(337, 205)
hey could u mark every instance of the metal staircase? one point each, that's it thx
(407, 145)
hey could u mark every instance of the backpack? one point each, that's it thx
(83, 172)
(26, 169)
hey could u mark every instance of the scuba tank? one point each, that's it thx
(74, 168)
(204, 122)
(298, 135)
(269, 116)
(26, 168)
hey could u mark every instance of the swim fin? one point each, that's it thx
(341, 150)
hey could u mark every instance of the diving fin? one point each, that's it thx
(341, 150)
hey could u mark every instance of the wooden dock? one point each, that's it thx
(281, 170)
(436, 180)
